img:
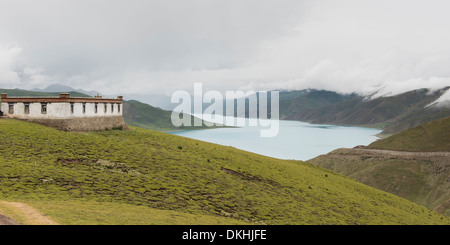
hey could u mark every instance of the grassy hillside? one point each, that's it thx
(416, 177)
(57, 170)
(146, 116)
(143, 115)
(419, 172)
(88, 212)
(432, 136)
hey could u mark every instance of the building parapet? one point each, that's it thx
(63, 97)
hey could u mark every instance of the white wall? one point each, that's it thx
(4, 108)
(61, 110)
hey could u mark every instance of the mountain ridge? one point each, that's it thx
(64, 88)
(392, 114)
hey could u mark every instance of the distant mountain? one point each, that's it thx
(21, 92)
(64, 88)
(295, 105)
(393, 114)
(413, 164)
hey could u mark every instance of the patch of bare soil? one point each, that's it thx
(33, 217)
(5, 220)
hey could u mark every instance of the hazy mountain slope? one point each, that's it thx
(21, 92)
(64, 88)
(168, 172)
(411, 164)
(393, 114)
(294, 105)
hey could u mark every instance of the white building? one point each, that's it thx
(61, 112)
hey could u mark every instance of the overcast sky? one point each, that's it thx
(117, 46)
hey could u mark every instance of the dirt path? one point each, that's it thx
(32, 216)
(404, 153)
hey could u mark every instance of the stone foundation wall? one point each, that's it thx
(83, 124)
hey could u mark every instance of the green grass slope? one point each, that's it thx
(141, 167)
(429, 137)
(420, 178)
(146, 116)
(89, 212)
(418, 170)
(142, 115)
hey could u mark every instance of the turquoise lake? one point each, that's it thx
(295, 140)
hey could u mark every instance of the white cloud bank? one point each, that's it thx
(8, 61)
(444, 100)
(370, 47)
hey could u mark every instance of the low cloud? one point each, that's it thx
(9, 56)
(444, 100)
(376, 48)
(15, 72)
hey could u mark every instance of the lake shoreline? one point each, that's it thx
(296, 140)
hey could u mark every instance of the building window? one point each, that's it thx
(43, 108)
(72, 108)
(118, 108)
(11, 108)
(96, 107)
(106, 107)
(26, 108)
(112, 108)
(84, 107)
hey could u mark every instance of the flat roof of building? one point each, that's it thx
(63, 97)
